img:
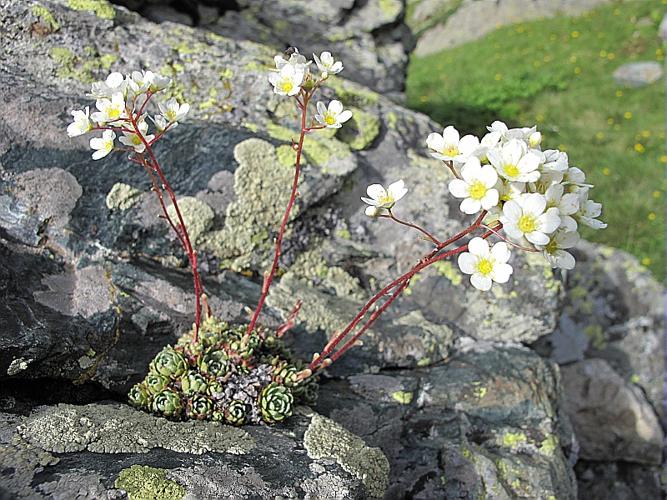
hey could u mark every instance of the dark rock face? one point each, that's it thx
(93, 285)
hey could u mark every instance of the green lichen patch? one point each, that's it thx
(81, 68)
(141, 482)
(224, 376)
(446, 268)
(403, 397)
(122, 196)
(361, 130)
(320, 150)
(326, 439)
(197, 215)
(262, 191)
(391, 8)
(117, 428)
(352, 94)
(45, 17)
(101, 8)
(514, 440)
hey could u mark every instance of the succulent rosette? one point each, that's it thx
(167, 403)
(199, 407)
(275, 403)
(156, 383)
(235, 413)
(140, 396)
(215, 362)
(193, 382)
(214, 389)
(169, 363)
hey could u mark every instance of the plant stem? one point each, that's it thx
(401, 282)
(432, 238)
(268, 277)
(179, 228)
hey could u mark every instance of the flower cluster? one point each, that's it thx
(534, 196)
(224, 377)
(121, 103)
(293, 76)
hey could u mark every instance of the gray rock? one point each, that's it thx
(638, 74)
(445, 24)
(619, 481)
(112, 449)
(612, 419)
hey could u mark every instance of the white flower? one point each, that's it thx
(384, 198)
(173, 111)
(555, 161)
(450, 146)
(526, 217)
(157, 81)
(81, 123)
(102, 145)
(484, 264)
(522, 134)
(334, 116)
(554, 251)
(567, 204)
(488, 142)
(110, 110)
(115, 83)
(476, 187)
(373, 211)
(510, 190)
(589, 211)
(134, 140)
(161, 123)
(514, 162)
(287, 81)
(327, 65)
(575, 176)
(296, 60)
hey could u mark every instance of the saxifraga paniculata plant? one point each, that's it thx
(530, 199)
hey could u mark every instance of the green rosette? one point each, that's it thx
(275, 403)
(217, 415)
(156, 383)
(167, 403)
(169, 363)
(235, 413)
(216, 363)
(140, 396)
(199, 407)
(214, 388)
(193, 382)
(285, 373)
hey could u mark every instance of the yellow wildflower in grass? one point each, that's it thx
(627, 115)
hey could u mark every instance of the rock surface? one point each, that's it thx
(93, 284)
(638, 74)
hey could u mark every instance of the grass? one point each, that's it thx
(557, 73)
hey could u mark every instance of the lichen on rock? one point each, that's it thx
(197, 215)
(101, 8)
(325, 438)
(122, 196)
(141, 482)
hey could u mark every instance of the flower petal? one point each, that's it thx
(481, 282)
(501, 252)
(479, 247)
(467, 263)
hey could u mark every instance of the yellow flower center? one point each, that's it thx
(387, 199)
(484, 266)
(450, 151)
(329, 119)
(114, 113)
(477, 190)
(512, 170)
(527, 223)
(136, 140)
(171, 115)
(286, 86)
(552, 246)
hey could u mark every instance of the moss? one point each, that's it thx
(148, 483)
(326, 439)
(261, 195)
(197, 215)
(82, 68)
(101, 8)
(403, 397)
(446, 268)
(362, 129)
(45, 16)
(122, 196)
(514, 439)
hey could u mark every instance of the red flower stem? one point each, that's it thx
(268, 277)
(180, 228)
(432, 238)
(422, 264)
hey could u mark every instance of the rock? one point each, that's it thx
(473, 427)
(112, 448)
(638, 74)
(612, 420)
(619, 481)
(443, 24)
